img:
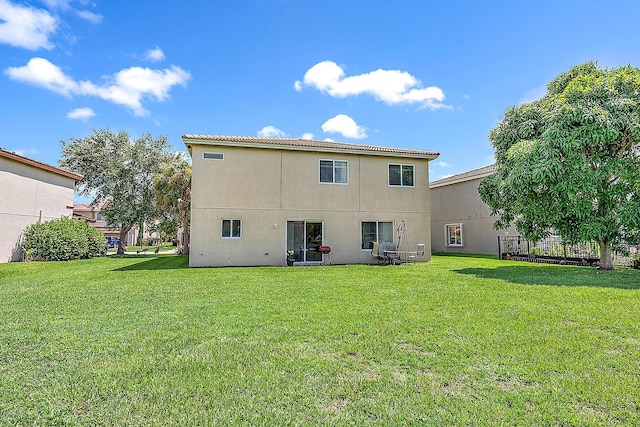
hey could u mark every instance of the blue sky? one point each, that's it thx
(434, 75)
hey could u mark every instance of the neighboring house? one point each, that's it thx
(92, 215)
(255, 199)
(460, 221)
(31, 192)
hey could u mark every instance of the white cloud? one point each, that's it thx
(26, 27)
(65, 6)
(307, 135)
(81, 114)
(131, 85)
(345, 126)
(41, 72)
(443, 164)
(271, 132)
(94, 18)
(128, 87)
(389, 86)
(328, 140)
(154, 55)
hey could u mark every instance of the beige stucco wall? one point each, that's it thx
(265, 188)
(27, 193)
(460, 203)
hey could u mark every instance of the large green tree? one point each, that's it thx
(118, 173)
(569, 163)
(173, 194)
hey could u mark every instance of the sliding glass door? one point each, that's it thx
(304, 238)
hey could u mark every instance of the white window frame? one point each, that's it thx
(402, 166)
(377, 232)
(207, 155)
(334, 171)
(447, 235)
(230, 236)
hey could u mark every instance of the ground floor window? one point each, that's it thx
(376, 231)
(231, 228)
(453, 234)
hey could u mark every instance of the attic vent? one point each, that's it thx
(215, 156)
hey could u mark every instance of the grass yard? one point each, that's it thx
(457, 341)
(165, 247)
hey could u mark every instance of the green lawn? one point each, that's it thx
(165, 247)
(456, 341)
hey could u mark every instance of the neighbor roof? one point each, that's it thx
(27, 161)
(465, 176)
(297, 144)
(88, 207)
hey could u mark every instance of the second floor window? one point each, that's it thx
(401, 175)
(334, 171)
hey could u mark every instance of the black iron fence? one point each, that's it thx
(554, 250)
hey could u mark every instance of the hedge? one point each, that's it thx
(62, 240)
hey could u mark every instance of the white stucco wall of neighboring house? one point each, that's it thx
(455, 201)
(31, 192)
(272, 187)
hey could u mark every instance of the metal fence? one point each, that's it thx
(554, 250)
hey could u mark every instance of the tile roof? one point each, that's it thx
(88, 206)
(465, 176)
(305, 145)
(18, 158)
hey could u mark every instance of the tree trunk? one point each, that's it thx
(606, 260)
(123, 239)
(186, 236)
(140, 238)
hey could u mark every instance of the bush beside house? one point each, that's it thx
(62, 240)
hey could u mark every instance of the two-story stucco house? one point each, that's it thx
(93, 216)
(460, 221)
(31, 192)
(256, 199)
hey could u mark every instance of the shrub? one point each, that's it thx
(535, 251)
(62, 240)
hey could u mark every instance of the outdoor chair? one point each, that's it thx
(375, 252)
(418, 254)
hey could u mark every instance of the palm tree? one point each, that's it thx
(173, 193)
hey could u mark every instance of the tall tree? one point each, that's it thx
(118, 172)
(173, 194)
(569, 163)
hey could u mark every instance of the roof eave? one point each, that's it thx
(25, 160)
(464, 177)
(188, 141)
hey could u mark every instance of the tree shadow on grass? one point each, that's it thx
(559, 276)
(173, 262)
